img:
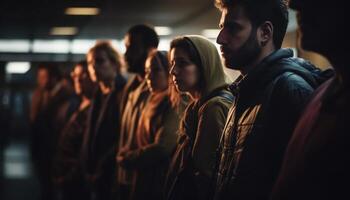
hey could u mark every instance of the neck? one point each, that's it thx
(265, 51)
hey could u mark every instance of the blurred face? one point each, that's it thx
(156, 75)
(42, 78)
(82, 82)
(135, 54)
(100, 67)
(321, 24)
(185, 73)
(237, 38)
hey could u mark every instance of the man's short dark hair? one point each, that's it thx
(148, 35)
(259, 11)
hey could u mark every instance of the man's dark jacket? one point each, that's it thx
(269, 100)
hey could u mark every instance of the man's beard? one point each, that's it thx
(246, 54)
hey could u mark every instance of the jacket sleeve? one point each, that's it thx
(211, 121)
(288, 100)
(162, 147)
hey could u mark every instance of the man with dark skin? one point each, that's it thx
(139, 41)
(316, 163)
(269, 99)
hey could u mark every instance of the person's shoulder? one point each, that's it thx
(291, 81)
(215, 105)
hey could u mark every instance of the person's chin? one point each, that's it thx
(232, 66)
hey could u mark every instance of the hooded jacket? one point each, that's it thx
(200, 129)
(268, 103)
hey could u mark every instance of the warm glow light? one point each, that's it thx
(82, 11)
(17, 46)
(163, 30)
(17, 67)
(51, 46)
(63, 31)
(210, 33)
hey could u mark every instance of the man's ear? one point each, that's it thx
(265, 33)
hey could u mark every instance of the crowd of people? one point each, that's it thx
(176, 128)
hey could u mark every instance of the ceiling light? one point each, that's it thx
(163, 30)
(17, 67)
(82, 11)
(51, 46)
(63, 31)
(211, 33)
(81, 46)
(15, 46)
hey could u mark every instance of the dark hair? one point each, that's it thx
(259, 11)
(148, 35)
(112, 53)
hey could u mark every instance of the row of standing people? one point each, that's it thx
(217, 152)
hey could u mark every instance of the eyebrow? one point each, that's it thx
(229, 24)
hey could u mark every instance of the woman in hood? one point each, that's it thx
(197, 70)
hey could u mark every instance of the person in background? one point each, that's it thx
(316, 164)
(68, 177)
(196, 69)
(50, 102)
(102, 132)
(139, 41)
(156, 132)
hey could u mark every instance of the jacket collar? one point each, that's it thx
(262, 73)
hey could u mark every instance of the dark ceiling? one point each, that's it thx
(33, 19)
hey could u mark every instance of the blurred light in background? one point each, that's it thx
(81, 46)
(17, 67)
(82, 11)
(51, 46)
(78, 46)
(63, 31)
(16, 161)
(18, 46)
(164, 44)
(163, 30)
(211, 33)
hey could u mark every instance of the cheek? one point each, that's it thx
(192, 76)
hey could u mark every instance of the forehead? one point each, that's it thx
(235, 13)
(176, 53)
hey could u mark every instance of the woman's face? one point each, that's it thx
(100, 67)
(185, 73)
(156, 76)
